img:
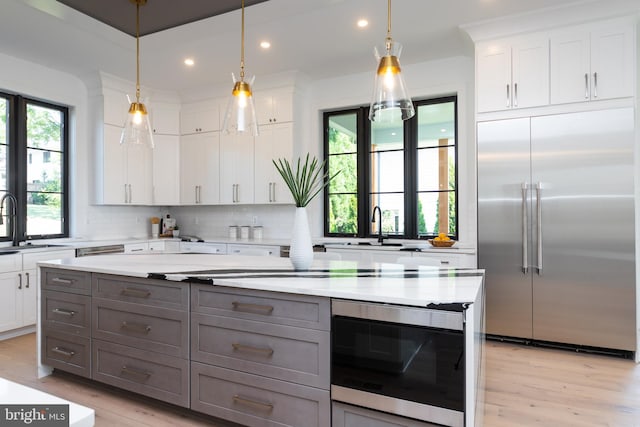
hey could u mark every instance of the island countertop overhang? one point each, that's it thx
(376, 282)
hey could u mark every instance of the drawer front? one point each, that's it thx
(150, 328)
(354, 416)
(449, 260)
(77, 282)
(155, 375)
(70, 313)
(284, 309)
(68, 353)
(254, 400)
(159, 293)
(283, 352)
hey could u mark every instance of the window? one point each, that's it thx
(408, 169)
(33, 166)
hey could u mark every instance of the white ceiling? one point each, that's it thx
(318, 38)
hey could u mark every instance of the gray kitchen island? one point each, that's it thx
(250, 340)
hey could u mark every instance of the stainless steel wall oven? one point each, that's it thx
(402, 360)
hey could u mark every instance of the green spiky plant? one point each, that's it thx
(308, 179)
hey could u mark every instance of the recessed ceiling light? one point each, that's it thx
(189, 62)
(265, 44)
(362, 23)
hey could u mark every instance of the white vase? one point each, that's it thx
(301, 250)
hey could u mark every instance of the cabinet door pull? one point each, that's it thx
(508, 96)
(133, 371)
(126, 197)
(595, 85)
(132, 292)
(130, 194)
(27, 274)
(252, 308)
(62, 281)
(250, 402)
(19, 280)
(270, 192)
(196, 190)
(586, 86)
(64, 312)
(63, 351)
(136, 327)
(274, 192)
(250, 349)
(515, 94)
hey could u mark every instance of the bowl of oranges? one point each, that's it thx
(442, 241)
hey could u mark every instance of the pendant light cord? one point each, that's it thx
(242, 46)
(138, 51)
(388, 40)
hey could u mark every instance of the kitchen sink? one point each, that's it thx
(379, 244)
(8, 252)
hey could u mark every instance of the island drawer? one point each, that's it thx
(58, 279)
(155, 329)
(355, 416)
(283, 352)
(159, 293)
(151, 374)
(66, 352)
(70, 313)
(254, 400)
(270, 307)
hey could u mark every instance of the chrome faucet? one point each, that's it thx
(13, 216)
(373, 220)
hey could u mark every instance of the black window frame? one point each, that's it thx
(17, 159)
(410, 130)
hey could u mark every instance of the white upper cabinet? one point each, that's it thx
(512, 74)
(274, 106)
(164, 118)
(592, 65)
(166, 170)
(236, 168)
(273, 143)
(127, 171)
(116, 106)
(200, 117)
(200, 169)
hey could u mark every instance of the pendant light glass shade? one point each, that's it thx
(137, 129)
(390, 101)
(240, 115)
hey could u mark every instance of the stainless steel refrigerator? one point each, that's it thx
(556, 227)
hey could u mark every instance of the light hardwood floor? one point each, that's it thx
(525, 386)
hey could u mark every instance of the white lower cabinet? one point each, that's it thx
(431, 258)
(256, 250)
(353, 416)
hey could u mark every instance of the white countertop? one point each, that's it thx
(335, 279)
(17, 394)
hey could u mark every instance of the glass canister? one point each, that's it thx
(233, 232)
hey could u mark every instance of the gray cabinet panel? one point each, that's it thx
(58, 279)
(155, 375)
(159, 293)
(284, 309)
(70, 313)
(353, 416)
(284, 352)
(66, 352)
(253, 400)
(156, 329)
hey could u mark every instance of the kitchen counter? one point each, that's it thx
(387, 283)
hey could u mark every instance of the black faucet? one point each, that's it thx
(373, 220)
(13, 216)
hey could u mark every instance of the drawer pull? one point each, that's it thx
(252, 308)
(136, 372)
(444, 262)
(63, 351)
(132, 292)
(136, 327)
(250, 402)
(62, 281)
(247, 348)
(64, 312)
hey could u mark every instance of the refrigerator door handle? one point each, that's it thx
(525, 230)
(539, 225)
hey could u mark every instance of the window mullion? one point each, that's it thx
(411, 177)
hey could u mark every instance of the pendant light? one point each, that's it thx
(137, 130)
(390, 100)
(240, 115)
